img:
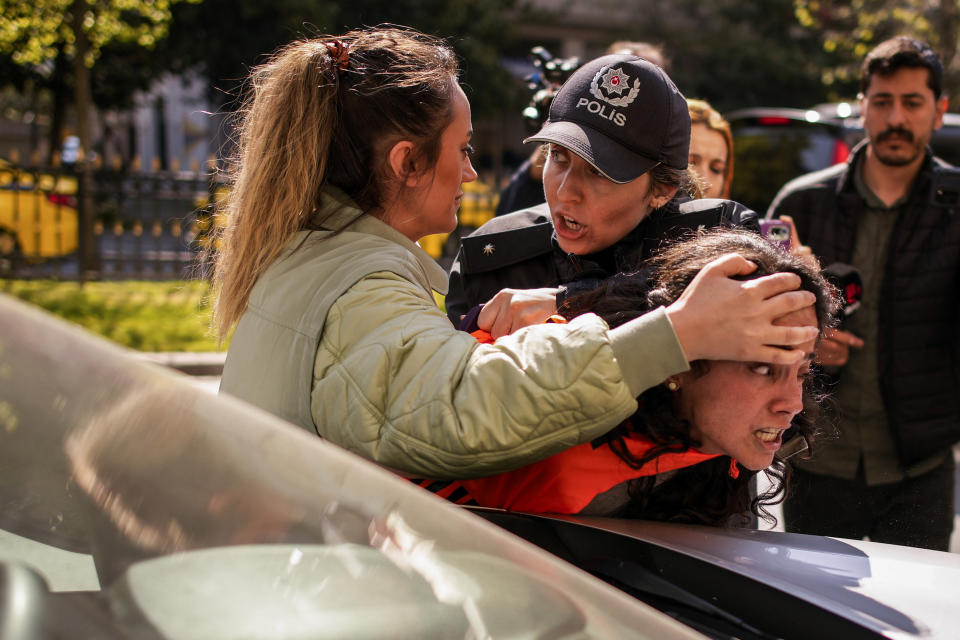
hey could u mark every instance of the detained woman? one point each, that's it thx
(690, 450)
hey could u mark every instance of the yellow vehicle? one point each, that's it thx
(38, 213)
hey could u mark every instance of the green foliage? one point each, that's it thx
(478, 31)
(225, 38)
(122, 69)
(147, 316)
(35, 32)
(730, 52)
(848, 30)
(46, 37)
(738, 54)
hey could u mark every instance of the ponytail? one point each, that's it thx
(319, 112)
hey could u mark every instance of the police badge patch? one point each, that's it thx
(609, 85)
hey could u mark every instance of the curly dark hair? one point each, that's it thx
(705, 493)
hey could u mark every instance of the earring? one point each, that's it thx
(673, 386)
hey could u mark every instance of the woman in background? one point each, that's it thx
(711, 149)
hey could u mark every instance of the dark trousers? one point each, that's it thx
(917, 512)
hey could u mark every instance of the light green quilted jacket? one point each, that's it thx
(343, 336)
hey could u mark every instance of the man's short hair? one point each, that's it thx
(898, 53)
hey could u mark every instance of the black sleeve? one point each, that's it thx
(510, 251)
(522, 192)
(457, 304)
(670, 223)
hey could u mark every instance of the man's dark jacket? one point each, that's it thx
(918, 306)
(520, 251)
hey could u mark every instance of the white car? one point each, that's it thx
(135, 505)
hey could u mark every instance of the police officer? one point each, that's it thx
(618, 137)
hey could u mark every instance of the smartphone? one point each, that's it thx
(777, 232)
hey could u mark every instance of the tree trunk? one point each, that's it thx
(947, 23)
(61, 97)
(86, 258)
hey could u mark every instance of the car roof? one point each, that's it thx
(784, 115)
(846, 114)
(893, 590)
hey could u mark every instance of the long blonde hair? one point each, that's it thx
(314, 115)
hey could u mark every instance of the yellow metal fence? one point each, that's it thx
(146, 224)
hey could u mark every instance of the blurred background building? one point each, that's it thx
(159, 84)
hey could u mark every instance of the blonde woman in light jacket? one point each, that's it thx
(351, 149)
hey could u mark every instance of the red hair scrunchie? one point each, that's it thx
(340, 53)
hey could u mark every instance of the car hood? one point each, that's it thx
(898, 592)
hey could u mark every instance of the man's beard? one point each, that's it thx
(896, 160)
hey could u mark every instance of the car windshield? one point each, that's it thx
(136, 505)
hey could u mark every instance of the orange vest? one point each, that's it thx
(569, 480)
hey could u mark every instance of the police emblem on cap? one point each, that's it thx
(610, 83)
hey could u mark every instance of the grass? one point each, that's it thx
(147, 316)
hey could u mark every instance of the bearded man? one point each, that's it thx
(892, 213)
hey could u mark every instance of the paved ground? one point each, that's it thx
(203, 364)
